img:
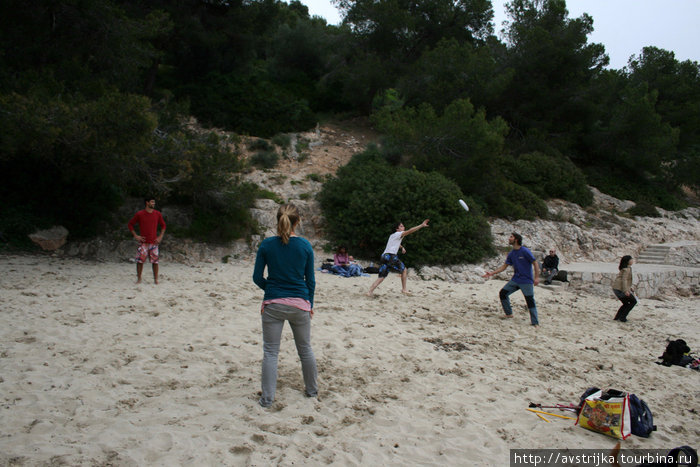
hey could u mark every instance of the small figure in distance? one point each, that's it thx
(550, 266)
(523, 262)
(148, 220)
(390, 258)
(622, 288)
(344, 264)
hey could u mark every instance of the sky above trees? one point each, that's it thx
(624, 27)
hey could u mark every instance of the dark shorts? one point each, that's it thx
(390, 261)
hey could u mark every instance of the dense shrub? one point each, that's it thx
(461, 144)
(69, 160)
(265, 159)
(197, 169)
(552, 177)
(259, 144)
(622, 187)
(643, 209)
(509, 200)
(224, 216)
(368, 197)
(247, 104)
(282, 140)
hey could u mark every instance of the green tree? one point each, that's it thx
(547, 100)
(451, 71)
(678, 103)
(248, 103)
(461, 144)
(390, 35)
(69, 161)
(678, 87)
(89, 42)
(407, 27)
(628, 149)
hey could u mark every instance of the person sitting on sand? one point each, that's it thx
(390, 258)
(344, 264)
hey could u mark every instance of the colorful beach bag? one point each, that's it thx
(607, 412)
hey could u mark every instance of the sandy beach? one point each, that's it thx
(96, 370)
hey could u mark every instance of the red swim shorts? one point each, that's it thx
(147, 250)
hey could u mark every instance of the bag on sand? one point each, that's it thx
(641, 417)
(676, 354)
(607, 412)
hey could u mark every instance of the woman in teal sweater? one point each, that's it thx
(289, 296)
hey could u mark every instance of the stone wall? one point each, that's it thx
(653, 284)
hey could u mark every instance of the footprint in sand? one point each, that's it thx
(157, 445)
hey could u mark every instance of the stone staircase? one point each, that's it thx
(654, 254)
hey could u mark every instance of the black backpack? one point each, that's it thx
(674, 353)
(642, 419)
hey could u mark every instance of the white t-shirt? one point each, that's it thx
(393, 244)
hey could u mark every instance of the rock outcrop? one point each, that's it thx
(50, 239)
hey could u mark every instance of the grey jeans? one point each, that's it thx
(273, 319)
(550, 274)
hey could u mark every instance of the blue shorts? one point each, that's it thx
(390, 261)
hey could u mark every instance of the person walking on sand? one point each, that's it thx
(523, 262)
(390, 258)
(622, 288)
(289, 296)
(148, 220)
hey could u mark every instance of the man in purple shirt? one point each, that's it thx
(523, 262)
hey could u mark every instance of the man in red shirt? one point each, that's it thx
(148, 220)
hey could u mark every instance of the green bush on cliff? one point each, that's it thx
(70, 160)
(368, 197)
(552, 177)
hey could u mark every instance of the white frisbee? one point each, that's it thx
(464, 205)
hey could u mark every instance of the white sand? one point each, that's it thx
(97, 370)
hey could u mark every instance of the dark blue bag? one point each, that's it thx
(642, 419)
